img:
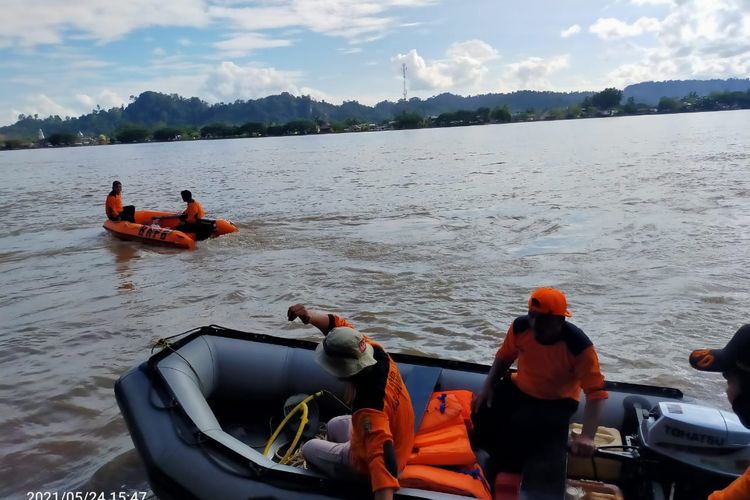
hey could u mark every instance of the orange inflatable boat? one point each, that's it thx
(158, 227)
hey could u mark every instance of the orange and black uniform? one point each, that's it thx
(113, 206)
(191, 221)
(194, 212)
(382, 419)
(114, 209)
(738, 490)
(537, 401)
(556, 371)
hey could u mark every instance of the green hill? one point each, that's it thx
(651, 92)
(154, 110)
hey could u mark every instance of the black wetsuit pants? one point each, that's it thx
(202, 229)
(518, 424)
(127, 214)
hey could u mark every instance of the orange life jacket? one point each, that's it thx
(194, 212)
(447, 408)
(443, 438)
(113, 206)
(446, 446)
(468, 481)
(443, 410)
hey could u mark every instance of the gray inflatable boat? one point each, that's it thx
(200, 414)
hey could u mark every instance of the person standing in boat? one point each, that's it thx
(190, 219)
(376, 440)
(113, 206)
(516, 413)
(733, 361)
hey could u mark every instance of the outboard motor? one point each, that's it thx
(710, 440)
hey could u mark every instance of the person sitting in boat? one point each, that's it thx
(514, 414)
(113, 206)
(190, 219)
(733, 361)
(376, 440)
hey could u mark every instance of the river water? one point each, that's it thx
(429, 240)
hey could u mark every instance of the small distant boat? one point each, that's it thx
(154, 226)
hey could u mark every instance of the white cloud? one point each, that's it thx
(27, 24)
(641, 3)
(81, 64)
(351, 50)
(185, 42)
(424, 76)
(697, 39)
(573, 30)
(189, 82)
(86, 100)
(158, 51)
(229, 82)
(45, 22)
(105, 99)
(225, 82)
(44, 106)
(316, 94)
(475, 50)
(609, 27)
(358, 20)
(239, 45)
(463, 67)
(532, 73)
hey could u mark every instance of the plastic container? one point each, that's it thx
(602, 469)
(507, 486)
(592, 490)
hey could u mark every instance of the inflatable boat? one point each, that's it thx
(202, 410)
(158, 227)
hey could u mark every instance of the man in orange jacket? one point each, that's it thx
(190, 219)
(376, 440)
(734, 363)
(513, 415)
(113, 206)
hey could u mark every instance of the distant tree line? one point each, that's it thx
(608, 102)
(153, 110)
(713, 102)
(131, 134)
(651, 92)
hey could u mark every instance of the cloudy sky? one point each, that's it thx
(67, 57)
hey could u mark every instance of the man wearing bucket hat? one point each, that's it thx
(733, 361)
(512, 414)
(376, 440)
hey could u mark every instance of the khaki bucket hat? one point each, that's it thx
(344, 352)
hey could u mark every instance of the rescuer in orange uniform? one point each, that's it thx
(192, 216)
(513, 414)
(113, 206)
(376, 440)
(734, 363)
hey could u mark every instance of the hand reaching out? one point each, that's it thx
(298, 311)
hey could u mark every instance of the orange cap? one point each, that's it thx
(549, 301)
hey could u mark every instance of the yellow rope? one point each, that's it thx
(302, 406)
(296, 459)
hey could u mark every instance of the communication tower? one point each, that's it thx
(403, 70)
